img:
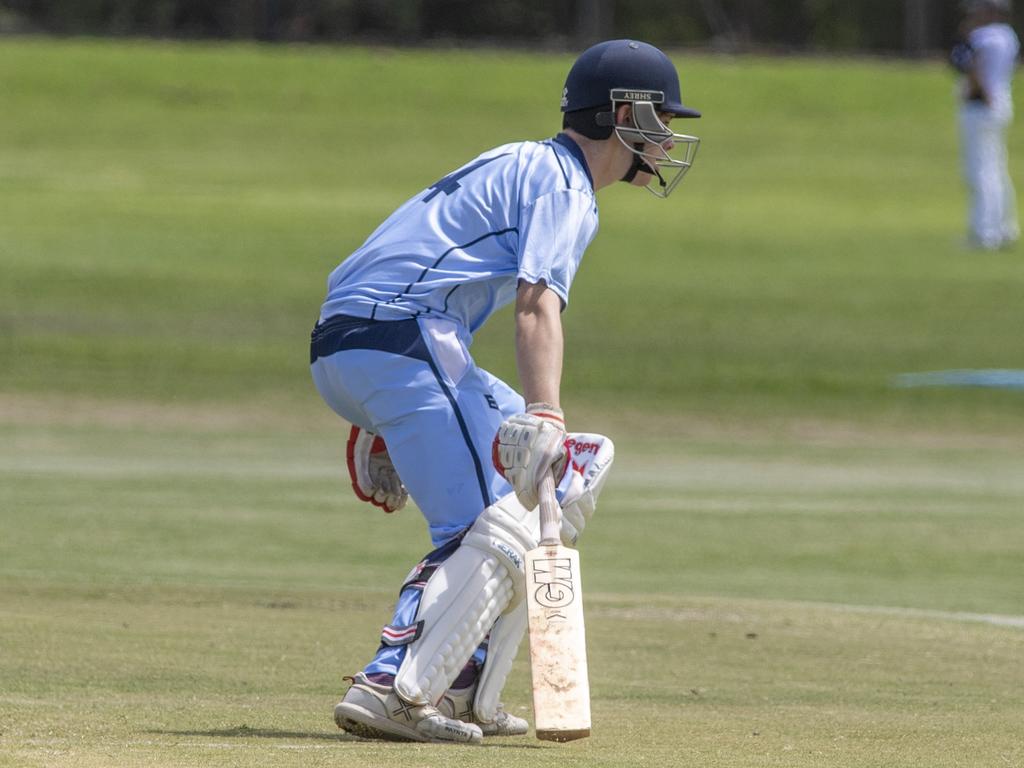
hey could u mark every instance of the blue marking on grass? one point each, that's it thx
(993, 378)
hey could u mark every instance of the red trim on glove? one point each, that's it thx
(496, 456)
(350, 456)
(549, 416)
(566, 464)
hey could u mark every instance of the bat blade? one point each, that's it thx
(558, 650)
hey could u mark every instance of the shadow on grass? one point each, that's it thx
(245, 732)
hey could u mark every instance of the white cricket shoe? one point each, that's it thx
(459, 704)
(376, 712)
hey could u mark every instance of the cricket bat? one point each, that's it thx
(558, 649)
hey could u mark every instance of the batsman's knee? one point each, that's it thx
(506, 530)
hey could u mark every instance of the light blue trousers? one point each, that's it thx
(414, 383)
(993, 203)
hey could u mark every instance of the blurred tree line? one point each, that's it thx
(885, 26)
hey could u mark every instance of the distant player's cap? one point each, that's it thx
(628, 67)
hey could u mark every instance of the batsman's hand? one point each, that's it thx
(374, 477)
(961, 57)
(529, 444)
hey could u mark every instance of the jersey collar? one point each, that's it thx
(575, 151)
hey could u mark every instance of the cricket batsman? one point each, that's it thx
(390, 355)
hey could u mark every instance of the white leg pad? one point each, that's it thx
(501, 652)
(507, 530)
(460, 604)
(463, 599)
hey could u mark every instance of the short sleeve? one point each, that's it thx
(554, 231)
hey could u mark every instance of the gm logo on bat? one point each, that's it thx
(553, 580)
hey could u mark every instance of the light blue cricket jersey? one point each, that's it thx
(457, 249)
(996, 48)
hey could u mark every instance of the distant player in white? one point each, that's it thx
(988, 57)
(390, 355)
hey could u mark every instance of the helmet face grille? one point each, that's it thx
(664, 152)
(647, 126)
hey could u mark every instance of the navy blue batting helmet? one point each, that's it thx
(627, 66)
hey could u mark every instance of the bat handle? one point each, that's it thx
(550, 512)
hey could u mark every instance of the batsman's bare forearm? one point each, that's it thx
(975, 88)
(539, 342)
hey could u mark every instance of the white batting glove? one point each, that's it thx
(374, 477)
(529, 444)
(592, 457)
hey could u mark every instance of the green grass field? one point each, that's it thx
(794, 563)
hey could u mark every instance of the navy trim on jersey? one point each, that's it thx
(448, 296)
(398, 296)
(561, 167)
(341, 332)
(575, 151)
(399, 337)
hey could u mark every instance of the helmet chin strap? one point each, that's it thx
(639, 164)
